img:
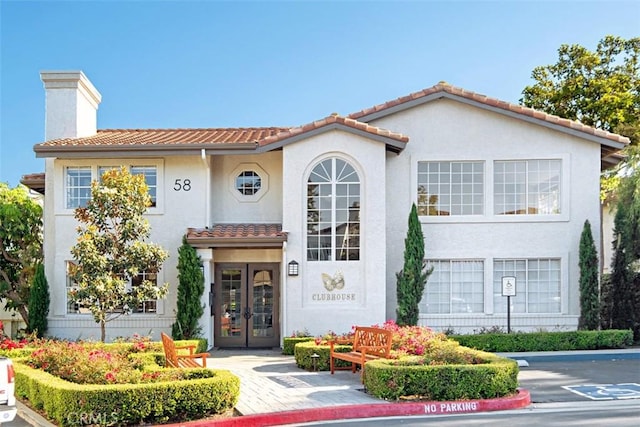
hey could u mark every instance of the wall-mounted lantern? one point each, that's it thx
(293, 268)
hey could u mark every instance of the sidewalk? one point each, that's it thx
(274, 391)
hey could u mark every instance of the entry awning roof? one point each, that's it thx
(237, 236)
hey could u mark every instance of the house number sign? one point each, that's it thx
(182, 185)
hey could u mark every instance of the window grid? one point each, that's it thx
(78, 186)
(537, 285)
(527, 187)
(333, 212)
(454, 286)
(146, 306)
(150, 178)
(74, 307)
(248, 183)
(450, 188)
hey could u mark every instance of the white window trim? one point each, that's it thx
(248, 167)
(94, 164)
(159, 302)
(485, 288)
(490, 216)
(363, 203)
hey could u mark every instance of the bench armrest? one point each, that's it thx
(187, 347)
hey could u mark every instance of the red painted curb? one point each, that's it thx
(521, 400)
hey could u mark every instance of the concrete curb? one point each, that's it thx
(31, 416)
(574, 356)
(521, 400)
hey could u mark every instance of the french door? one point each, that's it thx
(246, 309)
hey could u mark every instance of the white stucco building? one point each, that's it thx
(502, 191)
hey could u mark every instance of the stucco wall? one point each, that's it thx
(448, 130)
(364, 279)
(175, 212)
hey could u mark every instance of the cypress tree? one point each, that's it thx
(190, 290)
(413, 276)
(38, 303)
(588, 261)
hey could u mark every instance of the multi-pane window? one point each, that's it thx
(147, 306)
(74, 307)
(149, 172)
(454, 286)
(248, 183)
(77, 186)
(537, 285)
(450, 188)
(333, 212)
(527, 187)
(150, 178)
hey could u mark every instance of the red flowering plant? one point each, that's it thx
(421, 345)
(6, 343)
(95, 363)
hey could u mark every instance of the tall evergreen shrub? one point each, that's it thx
(413, 276)
(190, 290)
(589, 297)
(38, 303)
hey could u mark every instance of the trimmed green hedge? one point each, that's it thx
(393, 379)
(126, 404)
(305, 349)
(547, 341)
(290, 343)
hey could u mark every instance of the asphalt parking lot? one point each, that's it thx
(584, 380)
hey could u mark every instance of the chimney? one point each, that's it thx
(71, 105)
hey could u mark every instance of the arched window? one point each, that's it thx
(333, 212)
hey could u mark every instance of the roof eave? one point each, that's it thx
(235, 242)
(443, 94)
(76, 151)
(391, 144)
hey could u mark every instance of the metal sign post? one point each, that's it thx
(508, 290)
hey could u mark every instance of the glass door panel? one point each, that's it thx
(246, 302)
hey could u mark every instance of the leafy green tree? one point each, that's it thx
(38, 303)
(600, 89)
(21, 235)
(413, 276)
(111, 250)
(589, 296)
(190, 290)
(625, 268)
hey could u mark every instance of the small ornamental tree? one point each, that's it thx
(21, 249)
(413, 276)
(589, 297)
(190, 290)
(111, 249)
(38, 303)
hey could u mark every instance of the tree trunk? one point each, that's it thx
(102, 330)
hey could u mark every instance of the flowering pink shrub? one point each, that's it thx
(95, 363)
(416, 345)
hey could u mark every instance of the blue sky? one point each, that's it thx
(169, 64)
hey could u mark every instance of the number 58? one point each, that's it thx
(182, 185)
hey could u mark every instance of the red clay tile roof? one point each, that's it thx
(491, 102)
(330, 120)
(121, 137)
(237, 235)
(34, 181)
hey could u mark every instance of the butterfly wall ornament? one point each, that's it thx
(335, 282)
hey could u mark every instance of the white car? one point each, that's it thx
(7, 391)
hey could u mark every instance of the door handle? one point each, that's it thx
(247, 313)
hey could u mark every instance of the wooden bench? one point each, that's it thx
(368, 344)
(175, 360)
